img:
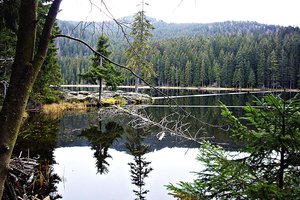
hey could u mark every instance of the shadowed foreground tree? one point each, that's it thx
(26, 66)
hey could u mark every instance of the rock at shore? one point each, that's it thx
(109, 97)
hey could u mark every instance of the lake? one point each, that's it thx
(101, 156)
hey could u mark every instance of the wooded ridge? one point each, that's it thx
(225, 54)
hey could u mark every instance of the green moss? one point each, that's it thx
(120, 100)
(108, 101)
(117, 100)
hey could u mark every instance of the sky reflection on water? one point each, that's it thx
(77, 168)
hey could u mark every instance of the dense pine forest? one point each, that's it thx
(227, 54)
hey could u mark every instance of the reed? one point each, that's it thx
(56, 108)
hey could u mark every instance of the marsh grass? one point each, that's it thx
(56, 108)
(78, 105)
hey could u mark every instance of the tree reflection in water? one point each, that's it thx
(101, 138)
(38, 136)
(104, 134)
(139, 169)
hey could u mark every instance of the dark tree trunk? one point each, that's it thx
(137, 80)
(100, 85)
(282, 151)
(100, 91)
(24, 72)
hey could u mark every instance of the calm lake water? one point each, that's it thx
(107, 159)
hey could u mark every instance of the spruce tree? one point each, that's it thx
(237, 78)
(203, 73)
(139, 49)
(188, 74)
(101, 69)
(216, 71)
(267, 166)
(274, 70)
(251, 79)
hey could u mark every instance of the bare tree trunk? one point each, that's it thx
(101, 64)
(100, 85)
(136, 89)
(24, 72)
(137, 79)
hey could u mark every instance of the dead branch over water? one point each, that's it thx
(173, 124)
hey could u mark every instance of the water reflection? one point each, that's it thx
(124, 157)
(104, 134)
(37, 139)
(101, 138)
(139, 168)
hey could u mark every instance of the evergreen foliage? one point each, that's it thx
(7, 50)
(101, 68)
(140, 167)
(8, 28)
(228, 60)
(50, 73)
(139, 49)
(266, 167)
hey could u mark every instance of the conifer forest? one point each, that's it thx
(227, 54)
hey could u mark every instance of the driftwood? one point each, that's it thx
(25, 178)
(5, 86)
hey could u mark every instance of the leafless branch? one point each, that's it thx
(118, 23)
(171, 124)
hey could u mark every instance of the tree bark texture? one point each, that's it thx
(27, 64)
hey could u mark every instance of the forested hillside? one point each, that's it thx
(228, 54)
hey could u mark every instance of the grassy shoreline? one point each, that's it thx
(62, 106)
(82, 104)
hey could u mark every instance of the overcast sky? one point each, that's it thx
(278, 12)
